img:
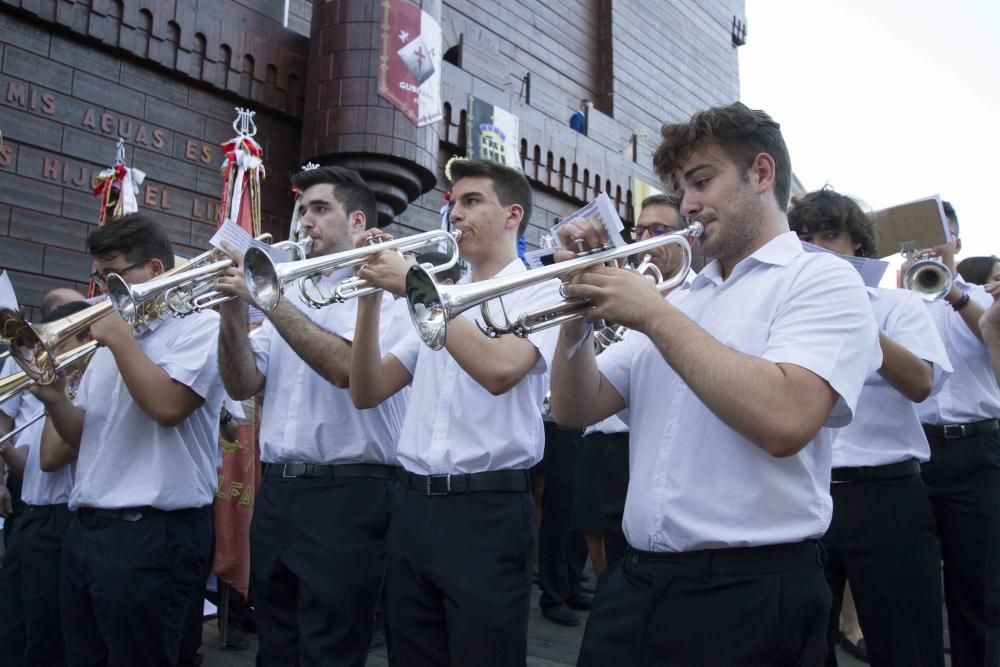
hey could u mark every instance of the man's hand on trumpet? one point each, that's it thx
(622, 296)
(111, 330)
(51, 393)
(232, 283)
(387, 269)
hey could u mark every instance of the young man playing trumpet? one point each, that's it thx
(730, 384)
(458, 570)
(144, 432)
(962, 477)
(881, 539)
(317, 538)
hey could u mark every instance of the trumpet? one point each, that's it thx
(432, 306)
(12, 385)
(265, 279)
(928, 277)
(188, 289)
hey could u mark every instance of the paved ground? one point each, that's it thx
(548, 645)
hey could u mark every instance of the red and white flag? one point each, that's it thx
(410, 61)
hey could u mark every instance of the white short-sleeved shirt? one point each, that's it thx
(37, 487)
(886, 428)
(970, 393)
(307, 419)
(127, 459)
(453, 424)
(695, 483)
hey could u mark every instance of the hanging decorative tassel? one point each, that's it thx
(242, 171)
(118, 189)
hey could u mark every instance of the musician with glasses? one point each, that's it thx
(732, 385)
(458, 571)
(144, 434)
(317, 538)
(963, 475)
(881, 539)
(30, 632)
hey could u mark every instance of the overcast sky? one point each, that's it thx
(886, 100)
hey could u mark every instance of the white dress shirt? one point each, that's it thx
(886, 428)
(37, 486)
(307, 419)
(127, 459)
(695, 483)
(453, 424)
(971, 392)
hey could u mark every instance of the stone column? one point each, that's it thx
(347, 124)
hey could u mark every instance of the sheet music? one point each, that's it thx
(237, 237)
(602, 209)
(871, 270)
(7, 297)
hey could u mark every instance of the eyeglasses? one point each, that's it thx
(100, 278)
(655, 229)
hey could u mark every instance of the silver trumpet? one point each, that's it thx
(266, 279)
(928, 277)
(432, 305)
(187, 289)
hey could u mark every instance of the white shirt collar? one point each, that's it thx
(779, 251)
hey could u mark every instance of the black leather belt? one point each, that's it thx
(867, 473)
(309, 470)
(45, 509)
(132, 514)
(954, 431)
(443, 485)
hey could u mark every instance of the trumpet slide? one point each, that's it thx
(432, 306)
(266, 279)
(12, 385)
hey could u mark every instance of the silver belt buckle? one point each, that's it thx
(292, 470)
(430, 485)
(952, 431)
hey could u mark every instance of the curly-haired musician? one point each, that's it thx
(144, 432)
(730, 384)
(881, 539)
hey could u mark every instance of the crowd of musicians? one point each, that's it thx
(789, 430)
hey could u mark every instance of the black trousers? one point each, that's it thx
(127, 585)
(317, 555)
(882, 541)
(601, 487)
(458, 578)
(750, 606)
(561, 554)
(30, 630)
(963, 483)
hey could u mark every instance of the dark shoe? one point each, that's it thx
(562, 615)
(236, 640)
(581, 602)
(858, 651)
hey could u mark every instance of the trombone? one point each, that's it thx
(266, 279)
(928, 277)
(12, 385)
(432, 305)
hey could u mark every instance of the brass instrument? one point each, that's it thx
(432, 305)
(12, 385)
(928, 277)
(265, 279)
(188, 289)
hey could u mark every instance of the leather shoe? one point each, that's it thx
(581, 602)
(859, 651)
(562, 615)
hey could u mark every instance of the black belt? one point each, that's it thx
(443, 485)
(954, 431)
(45, 509)
(867, 473)
(132, 514)
(309, 470)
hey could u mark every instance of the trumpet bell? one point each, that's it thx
(428, 308)
(929, 278)
(262, 278)
(34, 345)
